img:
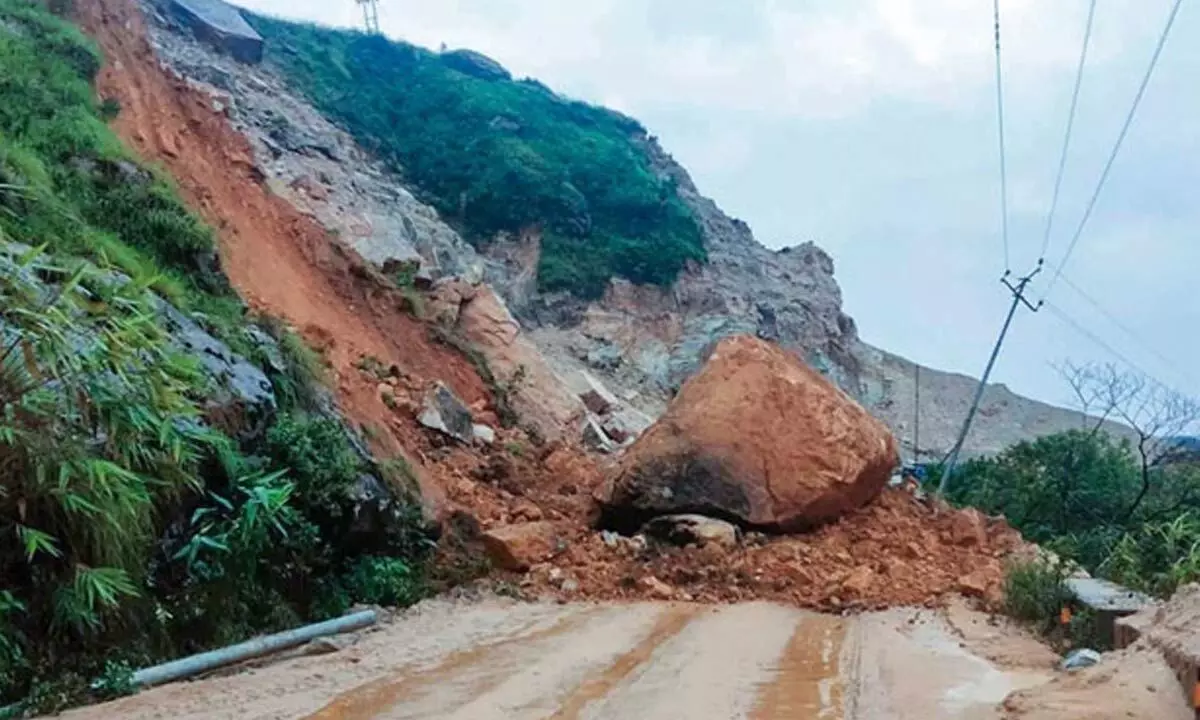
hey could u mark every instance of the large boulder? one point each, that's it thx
(757, 437)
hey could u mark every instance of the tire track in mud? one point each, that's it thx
(380, 698)
(669, 624)
(810, 678)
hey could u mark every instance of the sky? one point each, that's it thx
(870, 128)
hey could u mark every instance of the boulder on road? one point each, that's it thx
(521, 546)
(756, 436)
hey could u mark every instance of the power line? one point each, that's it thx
(1000, 124)
(1137, 100)
(1079, 328)
(1124, 327)
(1062, 162)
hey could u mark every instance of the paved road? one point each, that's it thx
(494, 661)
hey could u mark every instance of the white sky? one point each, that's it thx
(869, 127)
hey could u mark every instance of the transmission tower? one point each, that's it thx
(370, 10)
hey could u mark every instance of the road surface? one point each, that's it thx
(496, 660)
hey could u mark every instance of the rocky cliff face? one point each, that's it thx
(638, 342)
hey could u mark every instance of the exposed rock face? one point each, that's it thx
(640, 342)
(314, 164)
(759, 437)
(221, 25)
(539, 395)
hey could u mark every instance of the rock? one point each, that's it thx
(594, 437)
(968, 528)
(689, 529)
(610, 538)
(446, 300)
(222, 26)
(656, 588)
(519, 547)
(757, 436)
(528, 511)
(538, 395)
(328, 644)
(570, 585)
(595, 396)
(441, 410)
(484, 434)
(243, 400)
(1081, 658)
(858, 583)
(626, 424)
(974, 584)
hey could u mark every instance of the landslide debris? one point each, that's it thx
(759, 437)
(895, 550)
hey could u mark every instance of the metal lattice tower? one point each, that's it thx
(370, 10)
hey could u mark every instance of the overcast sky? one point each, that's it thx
(869, 127)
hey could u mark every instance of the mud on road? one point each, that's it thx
(499, 661)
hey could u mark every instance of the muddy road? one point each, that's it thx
(652, 661)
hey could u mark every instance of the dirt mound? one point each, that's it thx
(758, 436)
(896, 551)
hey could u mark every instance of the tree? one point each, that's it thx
(1158, 416)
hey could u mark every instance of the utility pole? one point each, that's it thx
(917, 414)
(1018, 294)
(370, 10)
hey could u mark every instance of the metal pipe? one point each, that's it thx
(196, 664)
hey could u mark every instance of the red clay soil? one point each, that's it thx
(894, 551)
(281, 261)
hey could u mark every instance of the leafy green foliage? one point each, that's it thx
(131, 530)
(1073, 493)
(384, 581)
(497, 155)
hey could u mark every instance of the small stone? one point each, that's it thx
(327, 645)
(484, 434)
(610, 538)
(656, 588)
(570, 586)
(859, 582)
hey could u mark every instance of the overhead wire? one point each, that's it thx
(1097, 340)
(1062, 162)
(1137, 100)
(1003, 153)
(1125, 328)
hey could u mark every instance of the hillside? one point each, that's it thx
(372, 185)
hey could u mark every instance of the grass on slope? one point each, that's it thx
(134, 526)
(498, 155)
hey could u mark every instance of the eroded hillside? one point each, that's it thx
(641, 341)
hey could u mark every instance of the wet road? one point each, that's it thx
(496, 661)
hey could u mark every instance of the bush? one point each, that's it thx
(130, 531)
(500, 156)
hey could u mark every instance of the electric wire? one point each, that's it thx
(1003, 153)
(1137, 100)
(1062, 162)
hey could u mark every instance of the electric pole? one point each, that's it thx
(917, 414)
(370, 10)
(1018, 298)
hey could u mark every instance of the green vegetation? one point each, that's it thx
(135, 527)
(1080, 494)
(497, 155)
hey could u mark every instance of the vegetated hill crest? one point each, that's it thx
(490, 155)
